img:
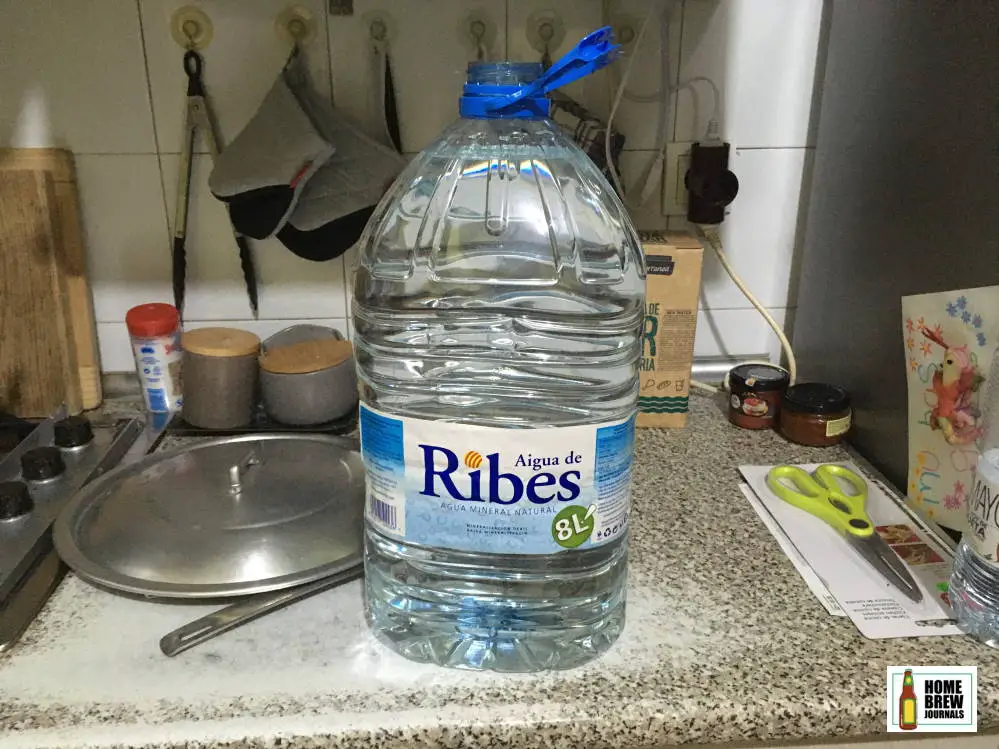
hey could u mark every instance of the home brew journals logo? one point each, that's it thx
(942, 699)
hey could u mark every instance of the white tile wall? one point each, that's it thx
(73, 76)
(763, 56)
(736, 332)
(125, 232)
(105, 80)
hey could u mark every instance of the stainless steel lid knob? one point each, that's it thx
(15, 500)
(73, 431)
(42, 463)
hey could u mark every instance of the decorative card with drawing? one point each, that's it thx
(948, 338)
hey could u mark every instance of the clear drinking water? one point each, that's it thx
(497, 312)
(974, 584)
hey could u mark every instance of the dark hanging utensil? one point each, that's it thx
(198, 116)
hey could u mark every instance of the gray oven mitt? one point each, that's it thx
(336, 203)
(263, 172)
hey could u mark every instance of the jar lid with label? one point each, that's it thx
(759, 378)
(755, 393)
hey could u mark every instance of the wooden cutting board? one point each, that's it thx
(48, 341)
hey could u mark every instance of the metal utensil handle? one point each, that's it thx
(240, 613)
(123, 441)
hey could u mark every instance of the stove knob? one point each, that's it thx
(42, 463)
(15, 500)
(73, 431)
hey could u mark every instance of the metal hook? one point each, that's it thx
(478, 31)
(295, 26)
(546, 32)
(191, 31)
(190, 27)
(297, 29)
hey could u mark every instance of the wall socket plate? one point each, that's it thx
(674, 193)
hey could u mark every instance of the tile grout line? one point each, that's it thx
(411, 154)
(152, 114)
(328, 45)
(675, 84)
(506, 29)
(335, 319)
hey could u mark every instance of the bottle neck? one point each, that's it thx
(475, 96)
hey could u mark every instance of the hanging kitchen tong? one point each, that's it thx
(198, 116)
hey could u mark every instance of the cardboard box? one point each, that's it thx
(672, 287)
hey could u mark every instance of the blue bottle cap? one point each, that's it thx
(526, 96)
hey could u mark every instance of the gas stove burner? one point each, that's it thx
(73, 432)
(13, 431)
(15, 500)
(42, 464)
(37, 478)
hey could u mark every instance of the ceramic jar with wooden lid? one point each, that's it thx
(308, 382)
(220, 377)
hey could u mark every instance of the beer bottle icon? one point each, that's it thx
(907, 703)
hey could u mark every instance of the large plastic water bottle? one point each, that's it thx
(974, 585)
(497, 313)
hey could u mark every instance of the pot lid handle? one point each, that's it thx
(239, 471)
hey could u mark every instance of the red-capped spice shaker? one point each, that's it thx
(756, 392)
(155, 332)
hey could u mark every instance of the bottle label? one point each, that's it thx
(836, 427)
(158, 363)
(983, 514)
(495, 490)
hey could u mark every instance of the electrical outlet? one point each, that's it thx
(674, 193)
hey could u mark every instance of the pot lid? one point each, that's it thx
(229, 517)
(306, 356)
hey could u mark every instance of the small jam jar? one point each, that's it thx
(756, 391)
(815, 414)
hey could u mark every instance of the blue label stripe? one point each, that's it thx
(381, 441)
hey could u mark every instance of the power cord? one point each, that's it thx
(659, 95)
(711, 186)
(641, 185)
(709, 233)
(713, 128)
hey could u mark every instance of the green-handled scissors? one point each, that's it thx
(824, 495)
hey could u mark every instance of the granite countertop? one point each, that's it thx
(723, 643)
